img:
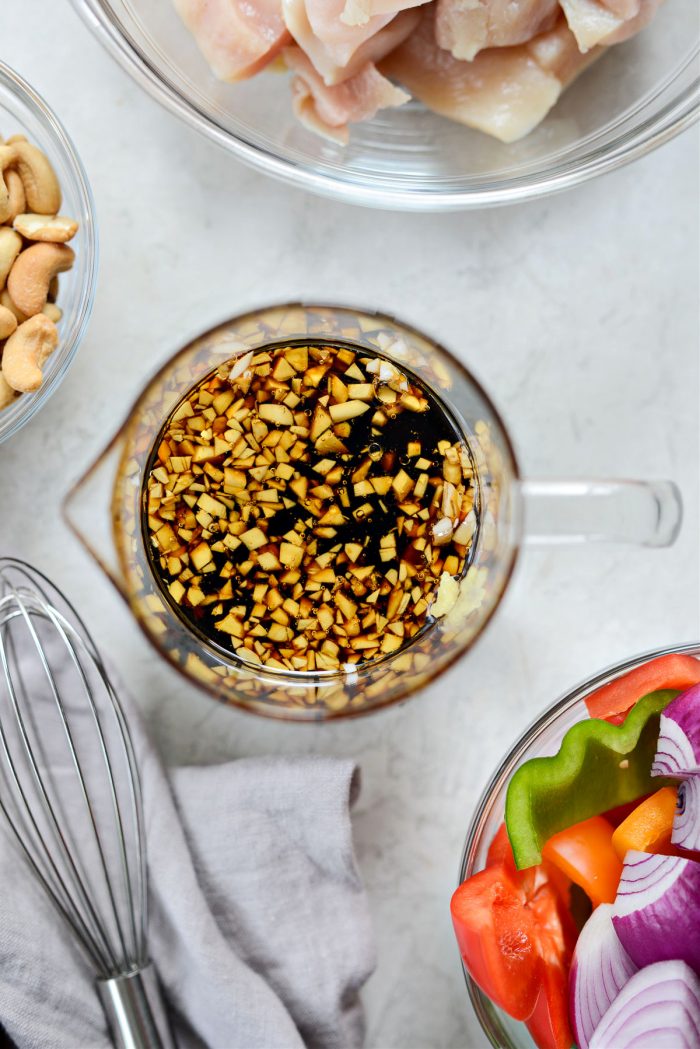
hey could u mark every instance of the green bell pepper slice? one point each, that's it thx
(598, 767)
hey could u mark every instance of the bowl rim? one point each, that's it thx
(70, 339)
(672, 119)
(481, 1004)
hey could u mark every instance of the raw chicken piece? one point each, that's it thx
(505, 92)
(594, 22)
(624, 8)
(236, 37)
(466, 27)
(329, 110)
(337, 51)
(633, 25)
(340, 40)
(359, 12)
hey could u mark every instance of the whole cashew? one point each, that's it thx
(25, 352)
(8, 322)
(10, 247)
(55, 229)
(39, 178)
(6, 301)
(15, 189)
(7, 158)
(32, 273)
(53, 312)
(7, 394)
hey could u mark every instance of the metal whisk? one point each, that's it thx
(70, 791)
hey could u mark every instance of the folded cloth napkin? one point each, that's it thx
(258, 925)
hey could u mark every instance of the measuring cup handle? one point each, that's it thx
(643, 513)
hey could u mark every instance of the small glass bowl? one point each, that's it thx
(638, 95)
(542, 738)
(23, 111)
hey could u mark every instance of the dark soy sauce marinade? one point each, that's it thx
(302, 504)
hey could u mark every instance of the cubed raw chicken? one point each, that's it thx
(237, 37)
(593, 22)
(359, 12)
(466, 27)
(337, 51)
(343, 33)
(329, 110)
(505, 92)
(495, 65)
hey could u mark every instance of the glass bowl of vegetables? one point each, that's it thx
(578, 909)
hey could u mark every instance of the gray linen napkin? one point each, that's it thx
(259, 923)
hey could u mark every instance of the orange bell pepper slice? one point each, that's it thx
(648, 827)
(614, 700)
(585, 853)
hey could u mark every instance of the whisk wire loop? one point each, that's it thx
(71, 796)
(111, 922)
(89, 934)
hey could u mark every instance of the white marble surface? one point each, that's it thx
(579, 313)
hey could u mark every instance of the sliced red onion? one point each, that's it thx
(686, 822)
(657, 911)
(600, 969)
(678, 750)
(658, 1007)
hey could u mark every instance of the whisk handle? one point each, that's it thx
(135, 1010)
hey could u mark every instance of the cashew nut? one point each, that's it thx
(8, 322)
(15, 189)
(25, 352)
(53, 312)
(52, 228)
(32, 273)
(10, 247)
(39, 178)
(16, 138)
(7, 394)
(6, 301)
(7, 158)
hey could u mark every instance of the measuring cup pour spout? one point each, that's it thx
(88, 510)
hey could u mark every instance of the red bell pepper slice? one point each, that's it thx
(531, 878)
(497, 939)
(549, 1025)
(613, 701)
(501, 851)
(516, 937)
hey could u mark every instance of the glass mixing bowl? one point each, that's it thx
(23, 111)
(542, 738)
(635, 97)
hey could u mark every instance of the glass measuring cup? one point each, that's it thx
(105, 510)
